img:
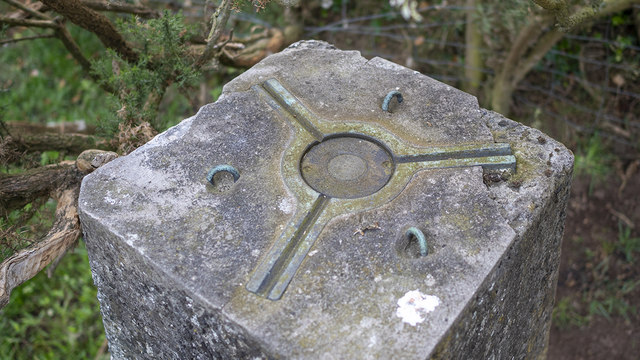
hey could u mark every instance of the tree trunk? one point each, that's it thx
(531, 45)
(473, 56)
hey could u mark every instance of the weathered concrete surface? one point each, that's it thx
(171, 255)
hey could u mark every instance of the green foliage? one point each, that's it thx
(620, 19)
(163, 60)
(610, 290)
(566, 314)
(55, 318)
(593, 160)
(612, 306)
(610, 297)
(49, 157)
(621, 44)
(45, 84)
(562, 63)
(626, 244)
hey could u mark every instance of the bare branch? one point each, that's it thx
(569, 20)
(10, 41)
(63, 235)
(120, 7)
(70, 143)
(28, 22)
(27, 9)
(70, 127)
(249, 54)
(63, 34)
(528, 35)
(542, 46)
(96, 23)
(218, 22)
(18, 190)
(64, 232)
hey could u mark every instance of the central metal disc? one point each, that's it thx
(347, 167)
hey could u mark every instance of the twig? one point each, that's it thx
(27, 9)
(10, 41)
(627, 174)
(28, 22)
(54, 264)
(360, 231)
(621, 216)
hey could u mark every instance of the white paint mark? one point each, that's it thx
(287, 205)
(414, 306)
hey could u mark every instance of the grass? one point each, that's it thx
(593, 160)
(55, 318)
(566, 314)
(626, 244)
(610, 289)
(45, 84)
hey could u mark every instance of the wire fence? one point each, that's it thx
(588, 91)
(589, 81)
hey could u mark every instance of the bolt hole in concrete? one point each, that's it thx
(222, 177)
(347, 166)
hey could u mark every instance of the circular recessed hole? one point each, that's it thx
(347, 166)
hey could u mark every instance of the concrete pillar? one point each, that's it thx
(295, 218)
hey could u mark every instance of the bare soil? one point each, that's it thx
(591, 270)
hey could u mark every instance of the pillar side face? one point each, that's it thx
(275, 265)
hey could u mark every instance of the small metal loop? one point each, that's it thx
(387, 99)
(422, 240)
(228, 168)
